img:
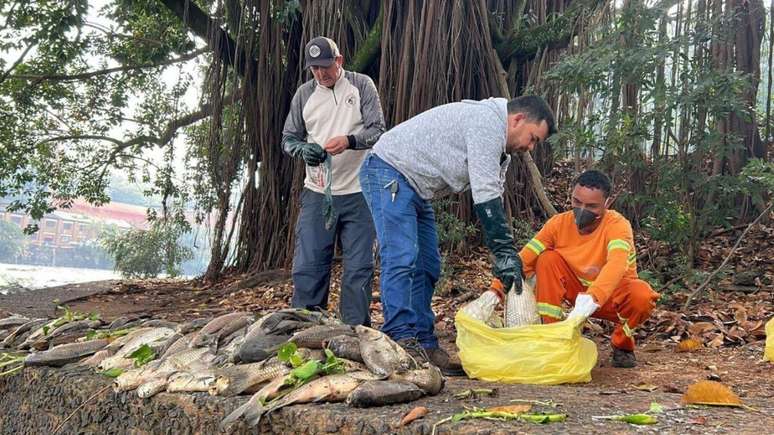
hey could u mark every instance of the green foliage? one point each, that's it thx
(522, 232)
(11, 240)
(143, 355)
(452, 231)
(57, 138)
(148, 253)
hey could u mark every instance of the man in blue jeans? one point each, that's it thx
(447, 149)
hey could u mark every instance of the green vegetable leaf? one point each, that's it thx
(296, 360)
(637, 418)
(91, 335)
(307, 371)
(113, 373)
(143, 355)
(286, 351)
(46, 328)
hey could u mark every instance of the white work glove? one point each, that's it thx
(584, 307)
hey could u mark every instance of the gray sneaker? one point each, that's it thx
(624, 358)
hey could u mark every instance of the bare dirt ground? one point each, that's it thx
(730, 326)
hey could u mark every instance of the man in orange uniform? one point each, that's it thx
(586, 256)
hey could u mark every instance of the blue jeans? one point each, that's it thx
(408, 249)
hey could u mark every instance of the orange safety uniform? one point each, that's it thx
(602, 264)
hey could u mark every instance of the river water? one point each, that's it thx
(20, 276)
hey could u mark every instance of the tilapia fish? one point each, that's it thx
(13, 322)
(430, 379)
(220, 327)
(382, 355)
(193, 325)
(131, 379)
(65, 353)
(21, 332)
(378, 393)
(153, 336)
(190, 382)
(179, 345)
(152, 387)
(234, 380)
(256, 401)
(345, 346)
(258, 346)
(314, 337)
(333, 388)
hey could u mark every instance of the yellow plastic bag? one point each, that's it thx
(768, 353)
(554, 353)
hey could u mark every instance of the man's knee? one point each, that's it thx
(641, 296)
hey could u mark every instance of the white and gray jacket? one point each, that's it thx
(318, 113)
(452, 148)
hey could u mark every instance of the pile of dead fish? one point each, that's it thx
(286, 357)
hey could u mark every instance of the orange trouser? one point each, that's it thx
(629, 305)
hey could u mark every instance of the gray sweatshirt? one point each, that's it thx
(452, 148)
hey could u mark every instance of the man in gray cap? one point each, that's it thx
(334, 119)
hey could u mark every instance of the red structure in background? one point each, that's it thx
(80, 223)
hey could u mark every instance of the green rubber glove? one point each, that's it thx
(498, 238)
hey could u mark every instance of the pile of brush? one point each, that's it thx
(286, 357)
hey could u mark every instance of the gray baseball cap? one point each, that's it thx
(320, 51)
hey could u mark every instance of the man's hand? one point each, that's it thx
(584, 306)
(336, 145)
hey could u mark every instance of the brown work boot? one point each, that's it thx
(412, 346)
(624, 358)
(450, 366)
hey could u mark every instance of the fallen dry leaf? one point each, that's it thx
(710, 393)
(511, 409)
(414, 414)
(642, 386)
(688, 345)
(698, 420)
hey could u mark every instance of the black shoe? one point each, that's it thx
(450, 366)
(412, 346)
(624, 358)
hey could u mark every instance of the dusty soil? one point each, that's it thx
(729, 356)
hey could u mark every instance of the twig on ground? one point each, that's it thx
(728, 257)
(61, 425)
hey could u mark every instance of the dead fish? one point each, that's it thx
(193, 325)
(79, 325)
(200, 381)
(65, 353)
(131, 379)
(13, 322)
(179, 345)
(220, 327)
(119, 342)
(153, 336)
(18, 335)
(430, 379)
(382, 355)
(97, 358)
(345, 346)
(187, 359)
(255, 403)
(119, 322)
(168, 342)
(333, 388)
(234, 380)
(378, 393)
(5, 333)
(159, 323)
(152, 387)
(314, 337)
(273, 322)
(258, 346)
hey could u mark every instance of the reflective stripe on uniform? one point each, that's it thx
(618, 244)
(536, 246)
(549, 310)
(632, 258)
(629, 332)
(585, 282)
